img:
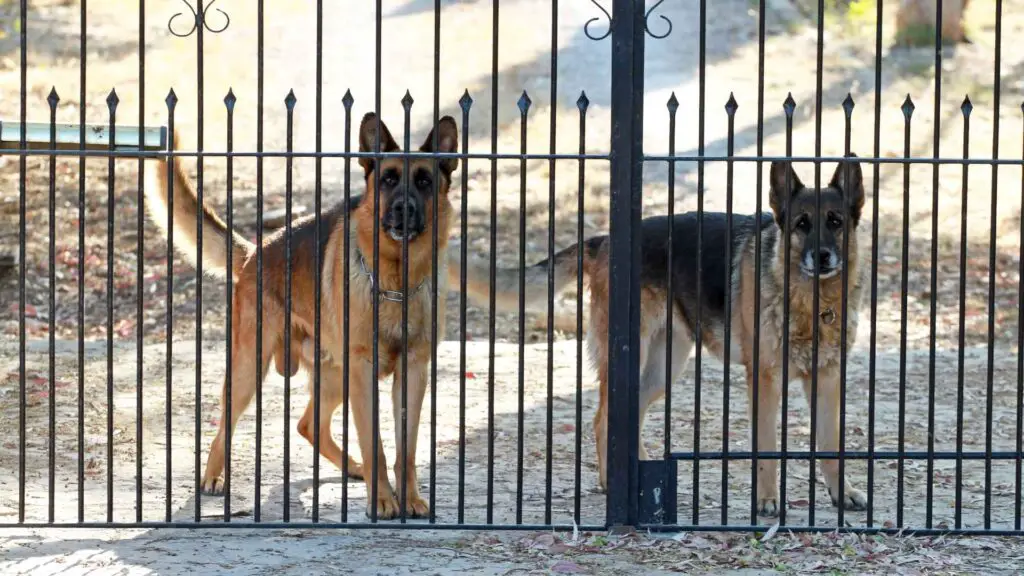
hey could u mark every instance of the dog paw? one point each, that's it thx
(213, 487)
(768, 507)
(355, 470)
(854, 500)
(416, 507)
(387, 505)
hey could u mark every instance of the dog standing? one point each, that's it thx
(727, 258)
(407, 206)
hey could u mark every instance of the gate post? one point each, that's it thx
(621, 462)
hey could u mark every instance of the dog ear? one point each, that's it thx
(368, 140)
(447, 142)
(783, 184)
(849, 180)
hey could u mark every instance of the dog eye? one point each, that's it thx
(390, 180)
(423, 182)
(835, 222)
(803, 223)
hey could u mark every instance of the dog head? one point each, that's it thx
(816, 231)
(407, 188)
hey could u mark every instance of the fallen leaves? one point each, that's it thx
(828, 552)
(125, 327)
(770, 533)
(585, 542)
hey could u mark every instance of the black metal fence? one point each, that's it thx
(505, 451)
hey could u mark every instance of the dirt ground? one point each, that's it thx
(444, 552)
(230, 60)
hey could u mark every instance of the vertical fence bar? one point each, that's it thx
(848, 105)
(112, 101)
(1020, 363)
(990, 376)
(933, 301)
(873, 338)
(258, 464)
(582, 103)
(53, 99)
(289, 102)
(347, 102)
(908, 111)
(699, 331)
(318, 267)
(491, 305)
(83, 57)
(229, 105)
(139, 266)
(171, 101)
(22, 238)
(465, 102)
(524, 109)
(755, 378)
(402, 427)
(624, 275)
(434, 333)
(670, 302)
(789, 107)
(816, 296)
(730, 109)
(551, 265)
(200, 76)
(375, 284)
(462, 347)
(966, 109)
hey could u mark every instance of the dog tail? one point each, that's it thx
(166, 187)
(535, 278)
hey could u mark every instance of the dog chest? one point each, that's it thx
(801, 335)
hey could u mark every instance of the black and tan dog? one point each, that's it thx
(840, 209)
(407, 206)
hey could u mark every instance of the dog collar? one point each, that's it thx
(389, 295)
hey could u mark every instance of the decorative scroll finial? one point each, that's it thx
(586, 27)
(647, 26)
(199, 19)
(611, 24)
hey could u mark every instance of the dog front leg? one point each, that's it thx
(405, 469)
(828, 435)
(361, 387)
(765, 431)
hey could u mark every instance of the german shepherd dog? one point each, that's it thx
(840, 210)
(407, 205)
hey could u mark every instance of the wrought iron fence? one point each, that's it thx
(285, 290)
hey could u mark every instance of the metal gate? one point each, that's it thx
(507, 443)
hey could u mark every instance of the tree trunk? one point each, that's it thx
(915, 22)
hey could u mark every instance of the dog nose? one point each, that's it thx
(403, 212)
(824, 259)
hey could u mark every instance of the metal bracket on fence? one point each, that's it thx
(657, 491)
(68, 137)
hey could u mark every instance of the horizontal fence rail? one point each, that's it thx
(593, 275)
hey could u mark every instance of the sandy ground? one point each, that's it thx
(332, 492)
(444, 552)
(230, 60)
